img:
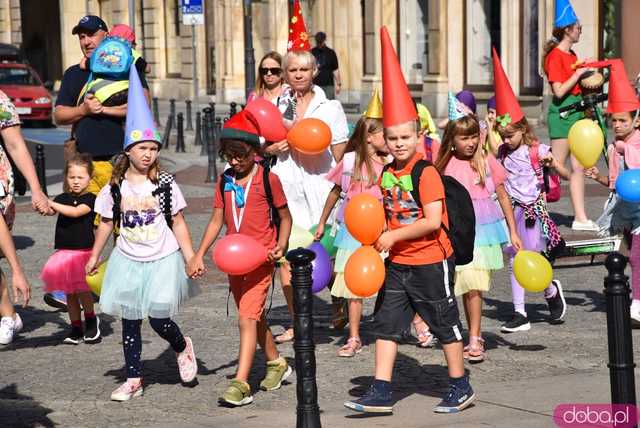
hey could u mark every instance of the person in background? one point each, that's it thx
(270, 82)
(328, 77)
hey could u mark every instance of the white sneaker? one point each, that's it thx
(17, 327)
(635, 313)
(128, 390)
(588, 226)
(7, 330)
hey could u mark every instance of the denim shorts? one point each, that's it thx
(423, 289)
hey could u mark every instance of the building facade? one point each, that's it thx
(442, 44)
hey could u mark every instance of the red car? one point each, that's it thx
(23, 86)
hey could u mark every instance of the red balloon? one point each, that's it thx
(268, 119)
(364, 272)
(238, 254)
(364, 217)
(311, 136)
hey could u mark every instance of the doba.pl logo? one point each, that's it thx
(595, 415)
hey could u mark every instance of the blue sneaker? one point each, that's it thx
(57, 299)
(459, 397)
(376, 400)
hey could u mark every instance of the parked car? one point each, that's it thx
(23, 86)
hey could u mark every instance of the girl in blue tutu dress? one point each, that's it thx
(461, 156)
(145, 276)
(64, 271)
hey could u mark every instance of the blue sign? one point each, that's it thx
(190, 7)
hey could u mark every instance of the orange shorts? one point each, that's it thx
(250, 291)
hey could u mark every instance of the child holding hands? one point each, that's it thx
(244, 208)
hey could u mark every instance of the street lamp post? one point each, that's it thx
(249, 60)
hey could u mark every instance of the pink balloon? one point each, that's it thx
(268, 118)
(238, 254)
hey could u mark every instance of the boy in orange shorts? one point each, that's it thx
(244, 202)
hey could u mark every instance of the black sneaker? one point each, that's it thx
(57, 300)
(518, 322)
(557, 304)
(75, 337)
(91, 330)
(457, 399)
(374, 401)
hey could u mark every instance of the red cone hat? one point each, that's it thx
(622, 97)
(506, 101)
(298, 36)
(397, 104)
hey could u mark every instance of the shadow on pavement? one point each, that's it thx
(19, 410)
(34, 319)
(23, 242)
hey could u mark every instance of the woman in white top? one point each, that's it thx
(302, 175)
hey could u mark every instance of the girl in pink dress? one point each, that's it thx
(462, 157)
(356, 173)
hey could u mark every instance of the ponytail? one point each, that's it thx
(556, 37)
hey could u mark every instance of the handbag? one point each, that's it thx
(70, 145)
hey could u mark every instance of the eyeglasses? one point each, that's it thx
(273, 70)
(237, 156)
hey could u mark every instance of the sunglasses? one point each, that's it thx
(273, 70)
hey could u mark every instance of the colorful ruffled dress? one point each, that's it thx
(346, 244)
(491, 229)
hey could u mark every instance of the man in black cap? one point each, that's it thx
(97, 129)
(328, 77)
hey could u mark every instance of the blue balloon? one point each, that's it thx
(628, 185)
(322, 268)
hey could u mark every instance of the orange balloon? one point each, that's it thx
(364, 272)
(364, 217)
(311, 136)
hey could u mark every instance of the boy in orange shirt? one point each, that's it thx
(420, 268)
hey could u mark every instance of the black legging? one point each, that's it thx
(132, 341)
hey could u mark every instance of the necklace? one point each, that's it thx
(237, 219)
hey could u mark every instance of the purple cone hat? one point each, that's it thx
(140, 126)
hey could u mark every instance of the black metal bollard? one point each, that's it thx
(172, 108)
(242, 106)
(41, 168)
(212, 169)
(204, 132)
(156, 110)
(167, 132)
(180, 127)
(308, 412)
(189, 126)
(198, 139)
(621, 365)
(233, 108)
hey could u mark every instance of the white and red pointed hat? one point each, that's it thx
(298, 36)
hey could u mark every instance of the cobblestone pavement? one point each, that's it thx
(45, 383)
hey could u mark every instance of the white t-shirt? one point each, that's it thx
(144, 233)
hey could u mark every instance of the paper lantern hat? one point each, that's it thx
(374, 109)
(397, 105)
(507, 107)
(457, 109)
(139, 126)
(241, 126)
(565, 15)
(622, 96)
(298, 36)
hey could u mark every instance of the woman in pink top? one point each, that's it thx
(356, 173)
(270, 81)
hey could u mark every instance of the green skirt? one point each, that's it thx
(559, 126)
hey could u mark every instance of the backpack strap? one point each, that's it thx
(163, 191)
(274, 218)
(116, 195)
(416, 172)
(534, 158)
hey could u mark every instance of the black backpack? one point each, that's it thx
(163, 191)
(462, 218)
(274, 217)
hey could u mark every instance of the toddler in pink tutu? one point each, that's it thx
(65, 269)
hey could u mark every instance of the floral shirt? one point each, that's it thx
(8, 117)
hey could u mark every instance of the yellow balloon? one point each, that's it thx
(299, 238)
(586, 142)
(532, 271)
(95, 281)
